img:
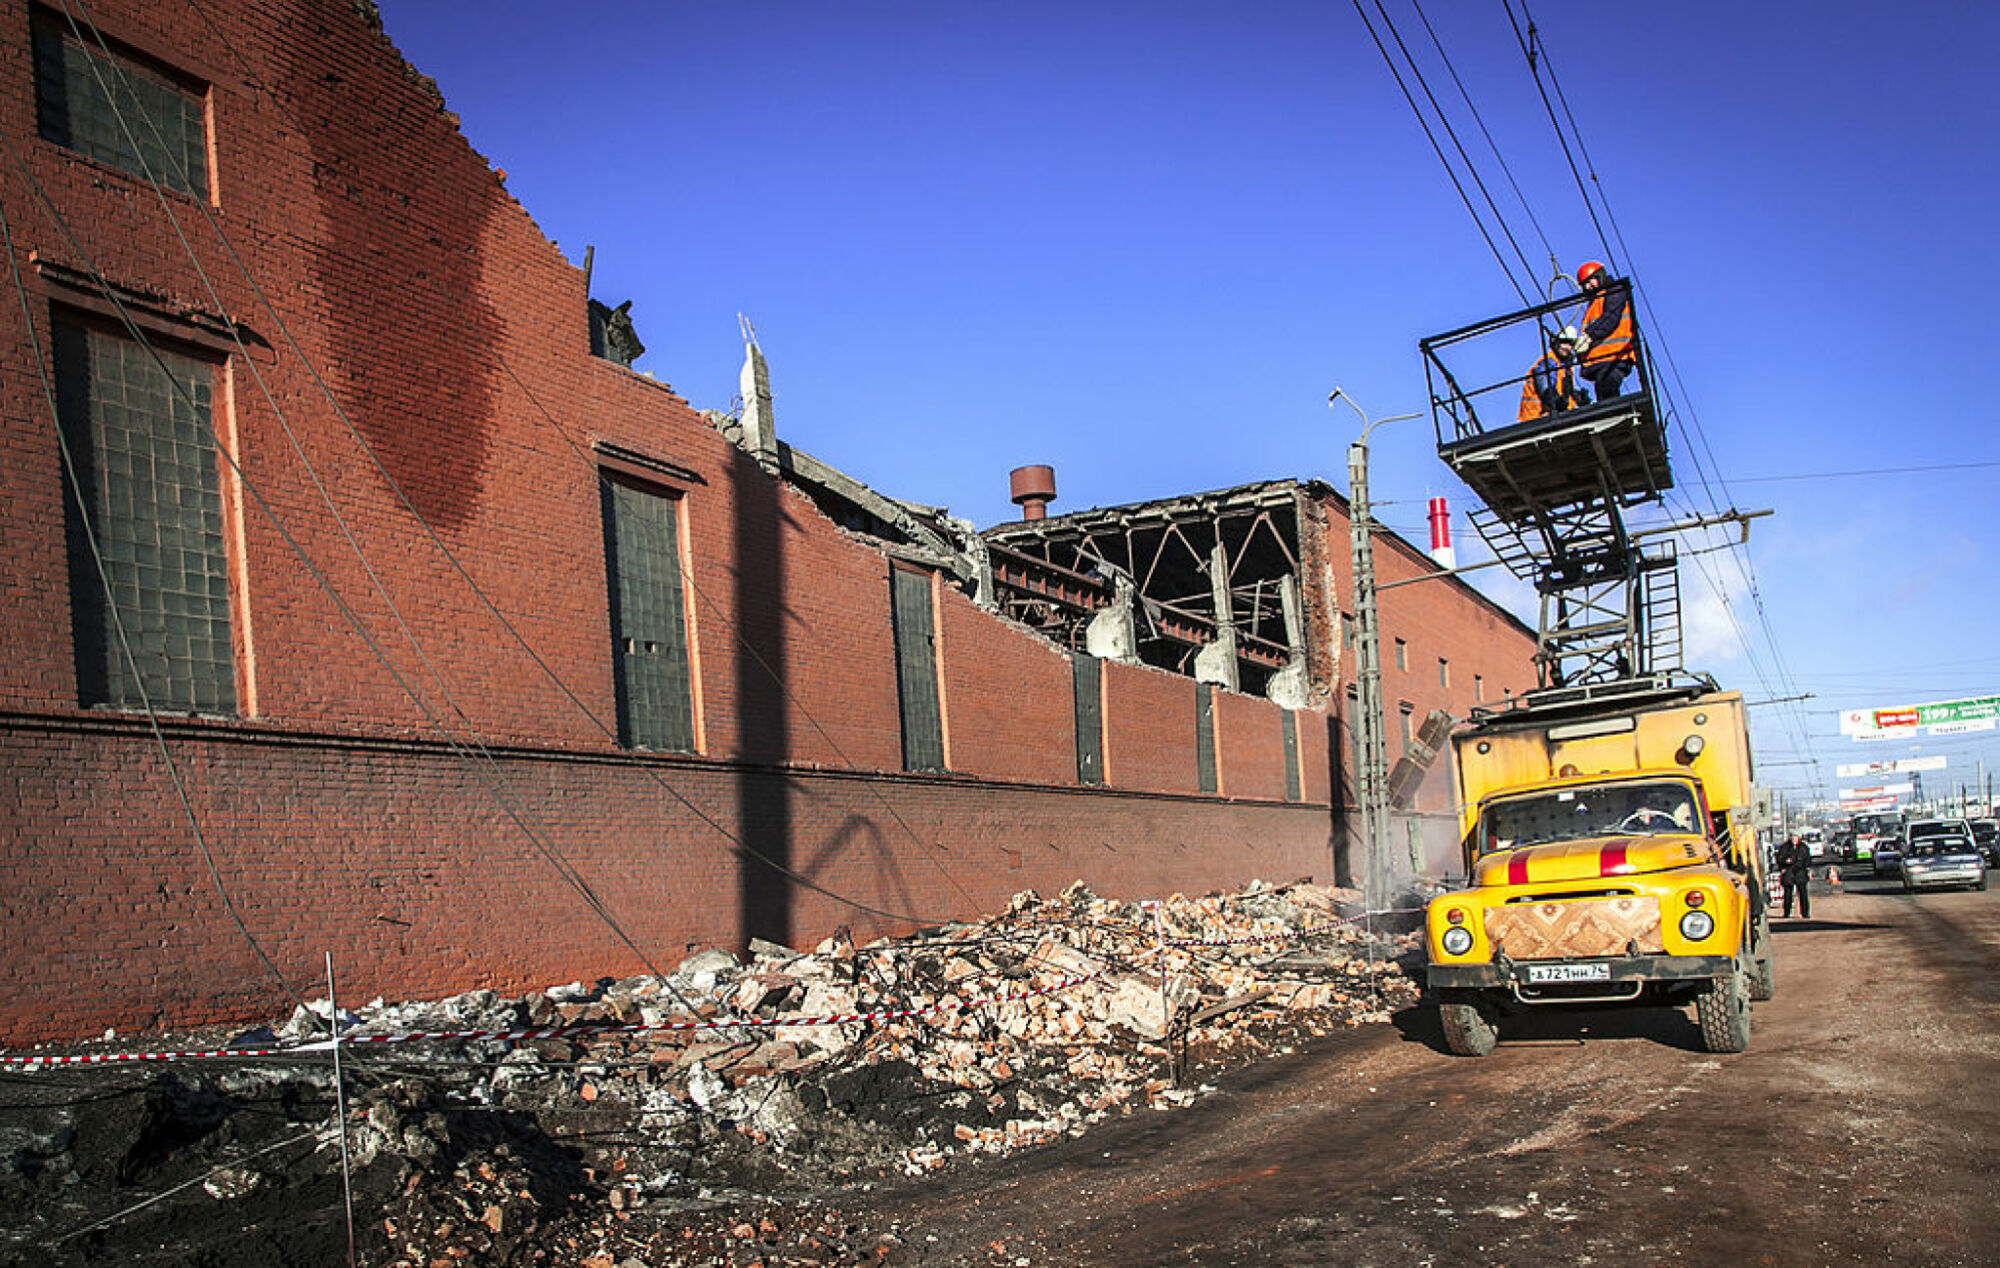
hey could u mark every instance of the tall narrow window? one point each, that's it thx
(1478, 688)
(118, 107)
(1294, 790)
(1087, 678)
(149, 581)
(648, 618)
(1204, 734)
(915, 625)
(1444, 672)
(1402, 654)
(1405, 711)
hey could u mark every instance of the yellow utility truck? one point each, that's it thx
(1611, 856)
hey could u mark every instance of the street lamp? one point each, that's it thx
(1371, 759)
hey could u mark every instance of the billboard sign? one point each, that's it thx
(1900, 766)
(1963, 728)
(1906, 719)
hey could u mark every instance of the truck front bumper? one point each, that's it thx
(1633, 968)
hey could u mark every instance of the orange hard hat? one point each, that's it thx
(1588, 270)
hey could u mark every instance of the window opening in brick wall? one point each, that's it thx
(1347, 629)
(100, 104)
(1444, 672)
(1204, 734)
(1087, 677)
(1294, 789)
(1406, 710)
(915, 624)
(1478, 688)
(649, 636)
(1402, 654)
(138, 425)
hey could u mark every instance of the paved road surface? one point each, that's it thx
(1862, 1127)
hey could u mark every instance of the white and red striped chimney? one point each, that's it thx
(1441, 552)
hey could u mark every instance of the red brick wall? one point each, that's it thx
(404, 863)
(1149, 735)
(1009, 698)
(1250, 744)
(413, 725)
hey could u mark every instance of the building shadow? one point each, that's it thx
(1788, 925)
(1570, 1025)
(764, 896)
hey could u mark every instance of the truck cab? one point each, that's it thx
(1611, 859)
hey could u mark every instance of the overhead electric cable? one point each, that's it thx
(1491, 144)
(76, 490)
(1529, 44)
(1471, 170)
(1450, 172)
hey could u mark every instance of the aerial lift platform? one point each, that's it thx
(1556, 489)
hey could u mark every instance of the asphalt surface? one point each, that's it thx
(1861, 1127)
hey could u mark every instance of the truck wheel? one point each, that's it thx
(1469, 1030)
(1724, 1014)
(1763, 969)
(1764, 978)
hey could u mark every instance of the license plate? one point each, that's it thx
(1569, 973)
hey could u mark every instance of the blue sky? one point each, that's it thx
(1142, 242)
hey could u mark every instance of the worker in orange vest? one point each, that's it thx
(1609, 349)
(1551, 386)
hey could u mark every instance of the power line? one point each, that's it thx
(117, 618)
(1483, 131)
(1471, 170)
(1450, 172)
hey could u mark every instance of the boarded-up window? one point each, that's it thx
(114, 108)
(1293, 790)
(915, 626)
(149, 581)
(648, 618)
(1204, 734)
(1087, 677)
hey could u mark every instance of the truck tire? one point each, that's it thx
(1764, 969)
(1724, 1014)
(1469, 1029)
(1764, 978)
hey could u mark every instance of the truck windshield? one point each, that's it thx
(1572, 814)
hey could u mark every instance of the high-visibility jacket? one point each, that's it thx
(1607, 323)
(1549, 388)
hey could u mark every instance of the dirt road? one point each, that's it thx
(1862, 1127)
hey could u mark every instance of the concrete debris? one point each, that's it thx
(991, 1073)
(492, 1147)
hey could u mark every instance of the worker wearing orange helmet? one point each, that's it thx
(1610, 347)
(1551, 386)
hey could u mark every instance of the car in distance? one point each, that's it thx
(1887, 856)
(1987, 833)
(1941, 852)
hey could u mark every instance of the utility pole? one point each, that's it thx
(1371, 759)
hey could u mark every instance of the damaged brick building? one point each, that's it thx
(355, 604)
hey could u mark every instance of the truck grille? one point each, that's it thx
(1568, 930)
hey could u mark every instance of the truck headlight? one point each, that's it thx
(1457, 940)
(1697, 925)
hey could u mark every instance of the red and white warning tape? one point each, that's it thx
(1283, 935)
(593, 1029)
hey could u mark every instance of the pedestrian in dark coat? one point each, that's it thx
(1794, 871)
